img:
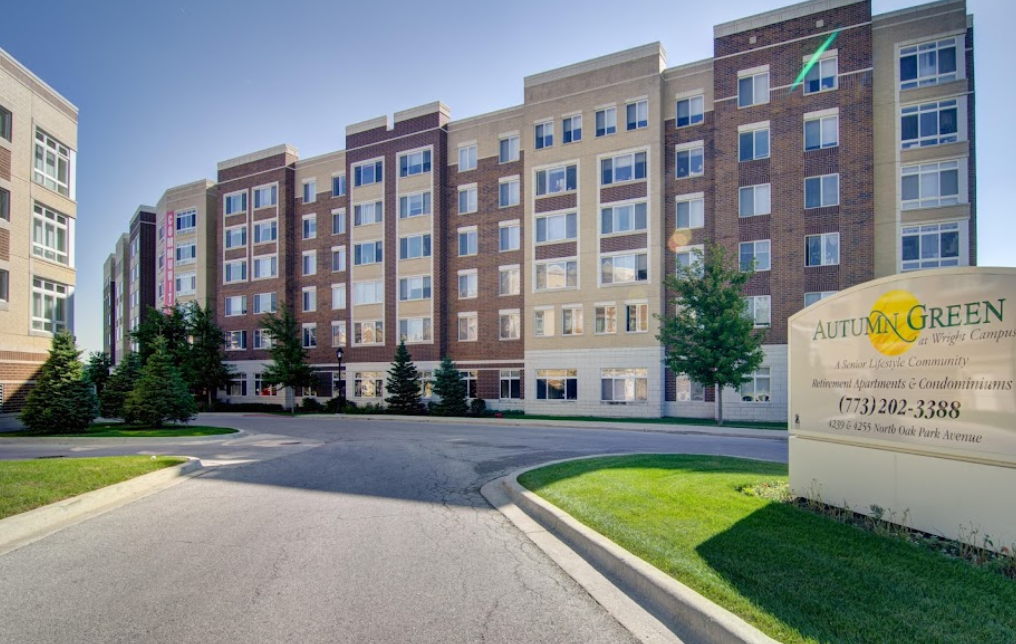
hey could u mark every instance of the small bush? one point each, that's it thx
(334, 405)
(311, 406)
(477, 407)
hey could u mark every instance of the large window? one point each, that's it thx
(606, 121)
(624, 167)
(414, 246)
(415, 330)
(553, 180)
(930, 124)
(338, 296)
(368, 213)
(368, 292)
(557, 384)
(236, 203)
(753, 89)
(467, 199)
(468, 285)
(931, 246)
(467, 242)
(49, 306)
(559, 227)
(543, 322)
(623, 219)
(470, 379)
(928, 64)
(544, 135)
(372, 332)
(511, 384)
(52, 164)
(759, 309)
(186, 254)
(236, 237)
(753, 144)
(637, 317)
(265, 303)
(637, 114)
(690, 162)
(689, 390)
(690, 212)
(624, 385)
(509, 236)
(621, 269)
(690, 111)
(369, 384)
(467, 327)
(815, 296)
(186, 221)
(262, 388)
(571, 320)
(265, 267)
(931, 184)
(237, 385)
(558, 273)
(414, 163)
(235, 340)
(510, 325)
(758, 386)
(186, 283)
(266, 196)
(822, 132)
(467, 158)
(822, 192)
(822, 75)
(822, 250)
(508, 193)
(266, 231)
(605, 319)
(509, 280)
(414, 288)
(414, 205)
(235, 271)
(339, 333)
(571, 127)
(367, 173)
(368, 253)
(50, 236)
(754, 200)
(755, 255)
(508, 149)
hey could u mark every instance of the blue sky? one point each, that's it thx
(168, 89)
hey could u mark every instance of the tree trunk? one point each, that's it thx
(719, 405)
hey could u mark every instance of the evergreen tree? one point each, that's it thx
(710, 338)
(120, 383)
(403, 384)
(451, 389)
(160, 393)
(208, 366)
(289, 366)
(62, 401)
(174, 326)
(97, 370)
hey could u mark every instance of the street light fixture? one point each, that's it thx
(342, 381)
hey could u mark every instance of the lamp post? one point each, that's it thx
(342, 381)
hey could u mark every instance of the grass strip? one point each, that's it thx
(120, 430)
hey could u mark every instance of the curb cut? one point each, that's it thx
(22, 529)
(687, 613)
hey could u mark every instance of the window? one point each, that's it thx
(267, 266)
(309, 336)
(338, 296)
(811, 298)
(52, 164)
(510, 326)
(236, 203)
(755, 255)
(543, 323)
(415, 330)
(931, 246)
(753, 144)
(822, 192)
(509, 237)
(508, 149)
(625, 167)
(365, 214)
(637, 317)
(606, 319)
(309, 226)
(469, 378)
(49, 306)
(186, 283)
(372, 332)
(624, 385)
(822, 132)
(236, 237)
(509, 281)
(467, 158)
(235, 340)
(606, 121)
(339, 333)
(690, 111)
(339, 185)
(236, 305)
(689, 390)
(6, 124)
(467, 199)
(135, 246)
(339, 221)
(554, 180)
(236, 271)
(931, 184)
(690, 162)
(822, 76)
(754, 200)
(757, 388)
(309, 299)
(553, 228)
(368, 384)
(467, 242)
(426, 384)
(822, 250)
(367, 253)
(928, 64)
(266, 196)
(508, 193)
(265, 303)
(368, 292)
(266, 231)
(468, 285)
(186, 221)
(557, 384)
(50, 235)
(338, 259)
(753, 89)
(571, 128)
(310, 191)
(544, 135)
(414, 163)
(690, 212)
(414, 288)
(511, 384)
(262, 388)
(637, 115)
(623, 219)
(759, 309)
(414, 246)
(467, 327)
(367, 173)
(620, 269)
(309, 263)
(237, 386)
(5, 204)
(414, 205)
(555, 274)
(571, 320)
(930, 124)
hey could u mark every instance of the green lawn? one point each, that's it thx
(702, 422)
(797, 576)
(25, 485)
(120, 430)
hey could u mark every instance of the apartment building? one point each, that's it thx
(38, 211)
(129, 284)
(823, 144)
(184, 238)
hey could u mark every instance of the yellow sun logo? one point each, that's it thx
(888, 327)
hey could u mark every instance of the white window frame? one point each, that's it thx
(309, 189)
(919, 110)
(633, 381)
(368, 292)
(641, 107)
(817, 296)
(692, 150)
(509, 324)
(339, 216)
(338, 297)
(641, 319)
(467, 157)
(407, 243)
(513, 274)
(50, 305)
(273, 265)
(925, 48)
(617, 215)
(694, 118)
(607, 314)
(340, 253)
(551, 187)
(413, 166)
(48, 227)
(308, 226)
(609, 120)
(543, 322)
(569, 265)
(472, 241)
(468, 327)
(339, 335)
(407, 330)
(272, 225)
(760, 86)
(377, 331)
(308, 299)
(826, 184)
(377, 172)
(511, 143)
(696, 205)
(259, 303)
(509, 192)
(234, 305)
(822, 120)
(376, 247)
(757, 132)
(921, 170)
(548, 221)
(471, 203)
(232, 230)
(761, 200)
(54, 155)
(613, 258)
(759, 306)
(960, 227)
(368, 213)
(415, 204)
(543, 134)
(825, 242)
(572, 321)
(229, 207)
(183, 216)
(308, 335)
(762, 374)
(758, 247)
(271, 191)
(468, 284)
(516, 236)
(827, 67)
(230, 268)
(411, 284)
(617, 161)
(308, 263)
(569, 381)
(571, 129)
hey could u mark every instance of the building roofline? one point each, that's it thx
(767, 18)
(602, 62)
(920, 7)
(469, 121)
(14, 61)
(283, 148)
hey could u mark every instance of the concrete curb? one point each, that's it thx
(22, 529)
(688, 614)
(121, 440)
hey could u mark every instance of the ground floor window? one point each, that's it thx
(339, 383)
(624, 385)
(470, 378)
(237, 386)
(689, 390)
(757, 388)
(49, 306)
(427, 384)
(557, 384)
(511, 384)
(261, 388)
(369, 384)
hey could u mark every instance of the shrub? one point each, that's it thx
(161, 393)
(311, 406)
(477, 407)
(62, 401)
(333, 405)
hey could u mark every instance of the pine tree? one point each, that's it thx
(710, 338)
(451, 390)
(120, 383)
(173, 325)
(160, 393)
(97, 370)
(208, 366)
(403, 384)
(62, 401)
(289, 366)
